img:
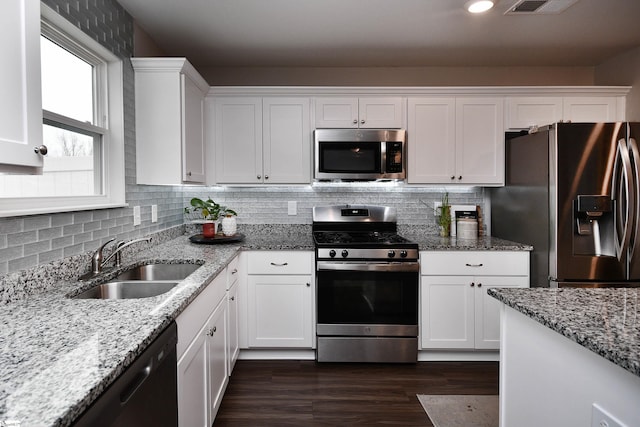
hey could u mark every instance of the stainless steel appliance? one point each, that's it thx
(359, 154)
(573, 192)
(367, 286)
(145, 394)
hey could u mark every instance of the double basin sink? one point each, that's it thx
(143, 281)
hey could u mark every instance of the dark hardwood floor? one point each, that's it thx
(306, 393)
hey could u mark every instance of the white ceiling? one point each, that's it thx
(403, 33)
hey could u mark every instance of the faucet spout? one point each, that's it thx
(117, 255)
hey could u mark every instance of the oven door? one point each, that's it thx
(367, 299)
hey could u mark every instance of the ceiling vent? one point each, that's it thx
(539, 7)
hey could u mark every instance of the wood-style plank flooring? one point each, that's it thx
(306, 393)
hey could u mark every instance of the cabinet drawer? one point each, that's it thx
(280, 262)
(474, 263)
(233, 272)
(191, 320)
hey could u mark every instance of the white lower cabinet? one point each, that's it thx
(233, 342)
(456, 312)
(202, 356)
(280, 306)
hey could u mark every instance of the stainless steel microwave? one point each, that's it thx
(359, 154)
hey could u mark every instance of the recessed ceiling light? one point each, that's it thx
(479, 6)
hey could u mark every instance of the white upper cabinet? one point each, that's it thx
(527, 111)
(456, 141)
(169, 121)
(21, 100)
(366, 112)
(262, 140)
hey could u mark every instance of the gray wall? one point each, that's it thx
(623, 70)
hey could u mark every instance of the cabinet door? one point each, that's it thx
(193, 155)
(447, 312)
(238, 140)
(192, 384)
(591, 109)
(232, 326)
(380, 113)
(217, 365)
(286, 142)
(524, 112)
(431, 141)
(280, 311)
(21, 100)
(480, 141)
(336, 112)
(487, 308)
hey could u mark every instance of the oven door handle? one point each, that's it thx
(408, 266)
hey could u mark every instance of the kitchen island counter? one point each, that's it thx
(569, 356)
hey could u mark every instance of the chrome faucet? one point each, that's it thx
(97, 261)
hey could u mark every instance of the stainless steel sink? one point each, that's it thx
(127, 289)
(143, 281)
(155, 272)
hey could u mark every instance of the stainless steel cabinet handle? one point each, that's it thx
(474, 265)
(275, 264)
(41, 149)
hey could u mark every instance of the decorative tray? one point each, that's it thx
(217, 239)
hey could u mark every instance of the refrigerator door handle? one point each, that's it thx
(634, 153)
(622, 186)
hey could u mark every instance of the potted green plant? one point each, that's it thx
(208, 212)
(444, 219)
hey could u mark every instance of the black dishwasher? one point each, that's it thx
(145, 394)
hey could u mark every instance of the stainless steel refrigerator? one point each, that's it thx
(573, 192)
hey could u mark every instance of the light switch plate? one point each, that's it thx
(601, 418)
(292, 208)
(136, 215)
(154, 213)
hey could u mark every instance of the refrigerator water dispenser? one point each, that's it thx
(593, 215)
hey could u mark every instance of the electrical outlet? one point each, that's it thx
(601, 418)
(292, 208)
(154, 213)
(136, 215)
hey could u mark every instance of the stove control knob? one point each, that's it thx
(403, 254)
(332, 253)
(391, 253)
(345, 253)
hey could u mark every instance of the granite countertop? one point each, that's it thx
(57, 354)
(605, 321)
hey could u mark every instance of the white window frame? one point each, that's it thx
(109, 111)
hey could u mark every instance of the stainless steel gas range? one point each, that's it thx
(367, 280)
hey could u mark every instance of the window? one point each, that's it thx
(82, 107)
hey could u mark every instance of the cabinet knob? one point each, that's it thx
(41, 149)
(266, 177)
(259, 176)
(472, 284)
(362, 121)
(235, 271)
(233, 298)
(453, 177)
(308, 285)
(459, 177)
(479, 285)
(355, 121)
(188, 173)
(212, 331)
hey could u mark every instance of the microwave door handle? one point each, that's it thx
(383, 157)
